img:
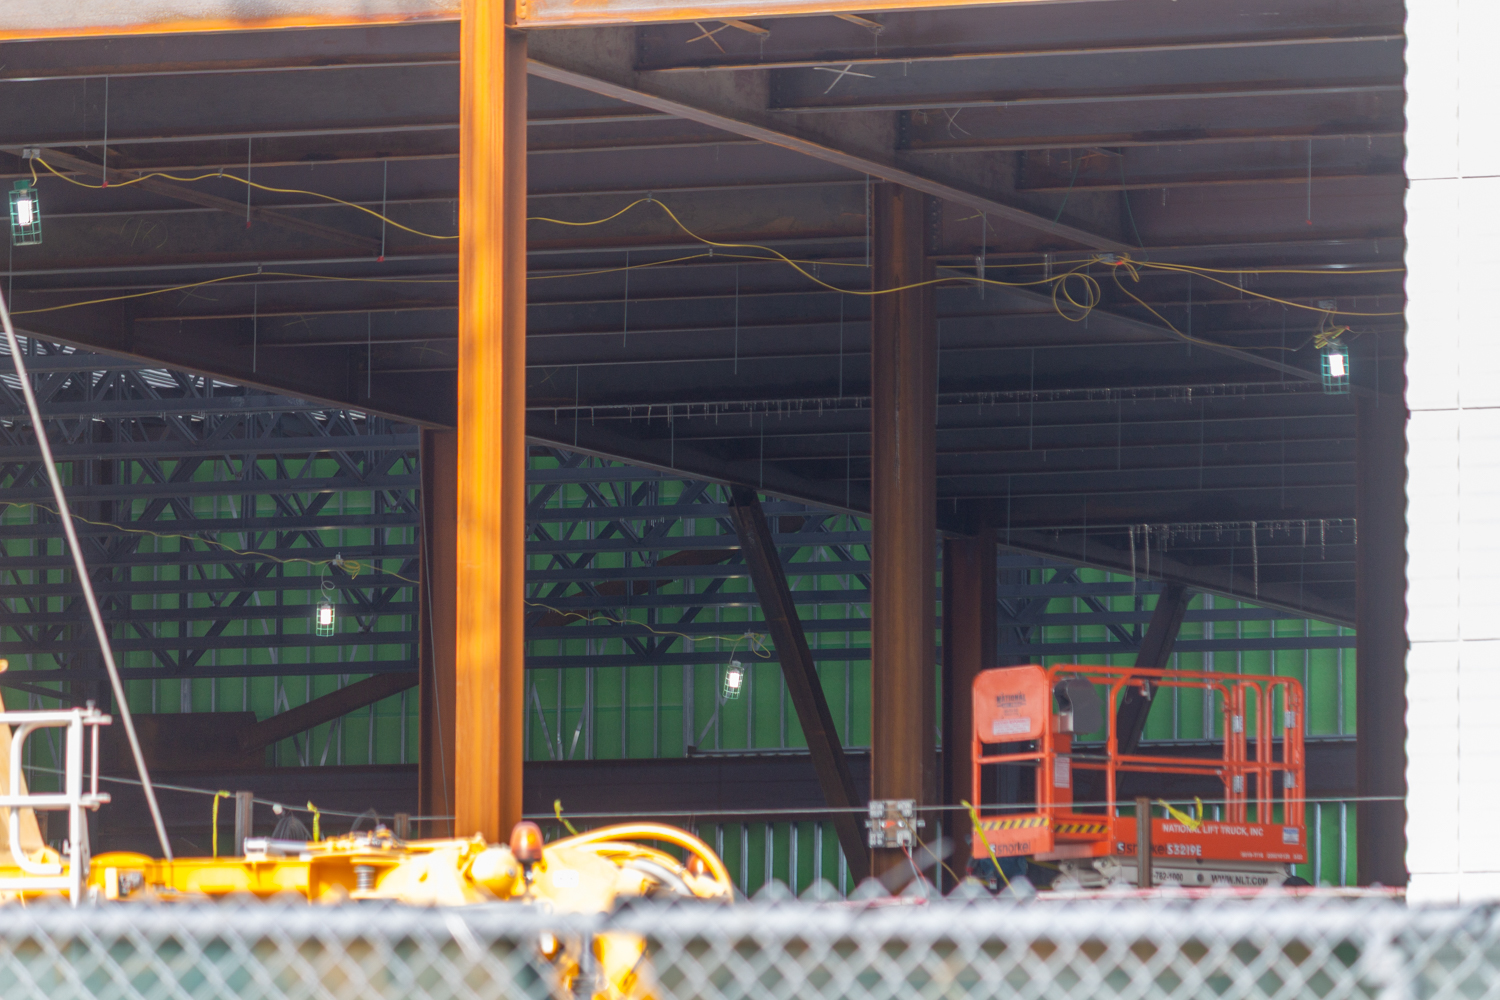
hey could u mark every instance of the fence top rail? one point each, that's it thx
(1266, 914)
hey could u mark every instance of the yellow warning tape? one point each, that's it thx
(1182, 817)
(1014, 824)
(1032, 822)
(1082, 828)
(217, 797)
(979, 832)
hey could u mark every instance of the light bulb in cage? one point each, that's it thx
(1335, 368)
(325, 617)
(25, 214)
(1335, 355)
(734, 680)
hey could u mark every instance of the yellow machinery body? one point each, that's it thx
(585, 873)
(589, 872)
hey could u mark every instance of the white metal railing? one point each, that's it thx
(45, 874)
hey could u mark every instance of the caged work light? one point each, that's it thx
(1335, 354)
(25, 214)
(734, 680)
(323, 621)
(1335, 368)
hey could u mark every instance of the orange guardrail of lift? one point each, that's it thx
(1028, 720)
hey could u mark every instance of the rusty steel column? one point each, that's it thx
(1380, 636)
(969, 643)
(435, 629)
(491, 421)
(903, 370)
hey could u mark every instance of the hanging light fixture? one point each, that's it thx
(1335, 354)
(734, 680)
(323, 621)
(1335, 368)
(25, 214)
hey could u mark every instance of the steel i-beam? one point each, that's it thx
(801, 674)
(903, 366)
(970, 612)
(435, 632)
(491, 553)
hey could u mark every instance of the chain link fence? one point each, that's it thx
(912, 949)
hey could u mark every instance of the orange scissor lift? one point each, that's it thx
(1027, 718)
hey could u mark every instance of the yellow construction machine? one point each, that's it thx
(586, 873)
(590, 872)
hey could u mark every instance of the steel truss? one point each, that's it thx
(211, 515)
(629, 569)
(636, 577)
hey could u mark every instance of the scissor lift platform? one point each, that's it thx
(1026, 721)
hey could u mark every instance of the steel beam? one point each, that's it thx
(595, 64)
(148, 491)
(903, 418)
(491, 452)
(436, 629)
(1025, 651)
(576, 432)
(220, 613)
(1231, 581)
(1161, 632)
(356, 101)
(1152, 29)
(1235, 118)
(1103, 77)
(1015, 651)
(187, 586)
(157, 450)
(326, 377)
(32, 19)
(573, 13)
(1380, 654)
(801, 675)
(970, 609)
(325, 709)
(231, 52)
(662, 50)
(1154, 654)
(1151, 168)
(27, 680)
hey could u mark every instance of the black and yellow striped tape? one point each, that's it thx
(1024, 823)
(1032, 822)
(1082, 828)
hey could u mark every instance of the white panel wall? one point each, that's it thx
(1453, 458)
